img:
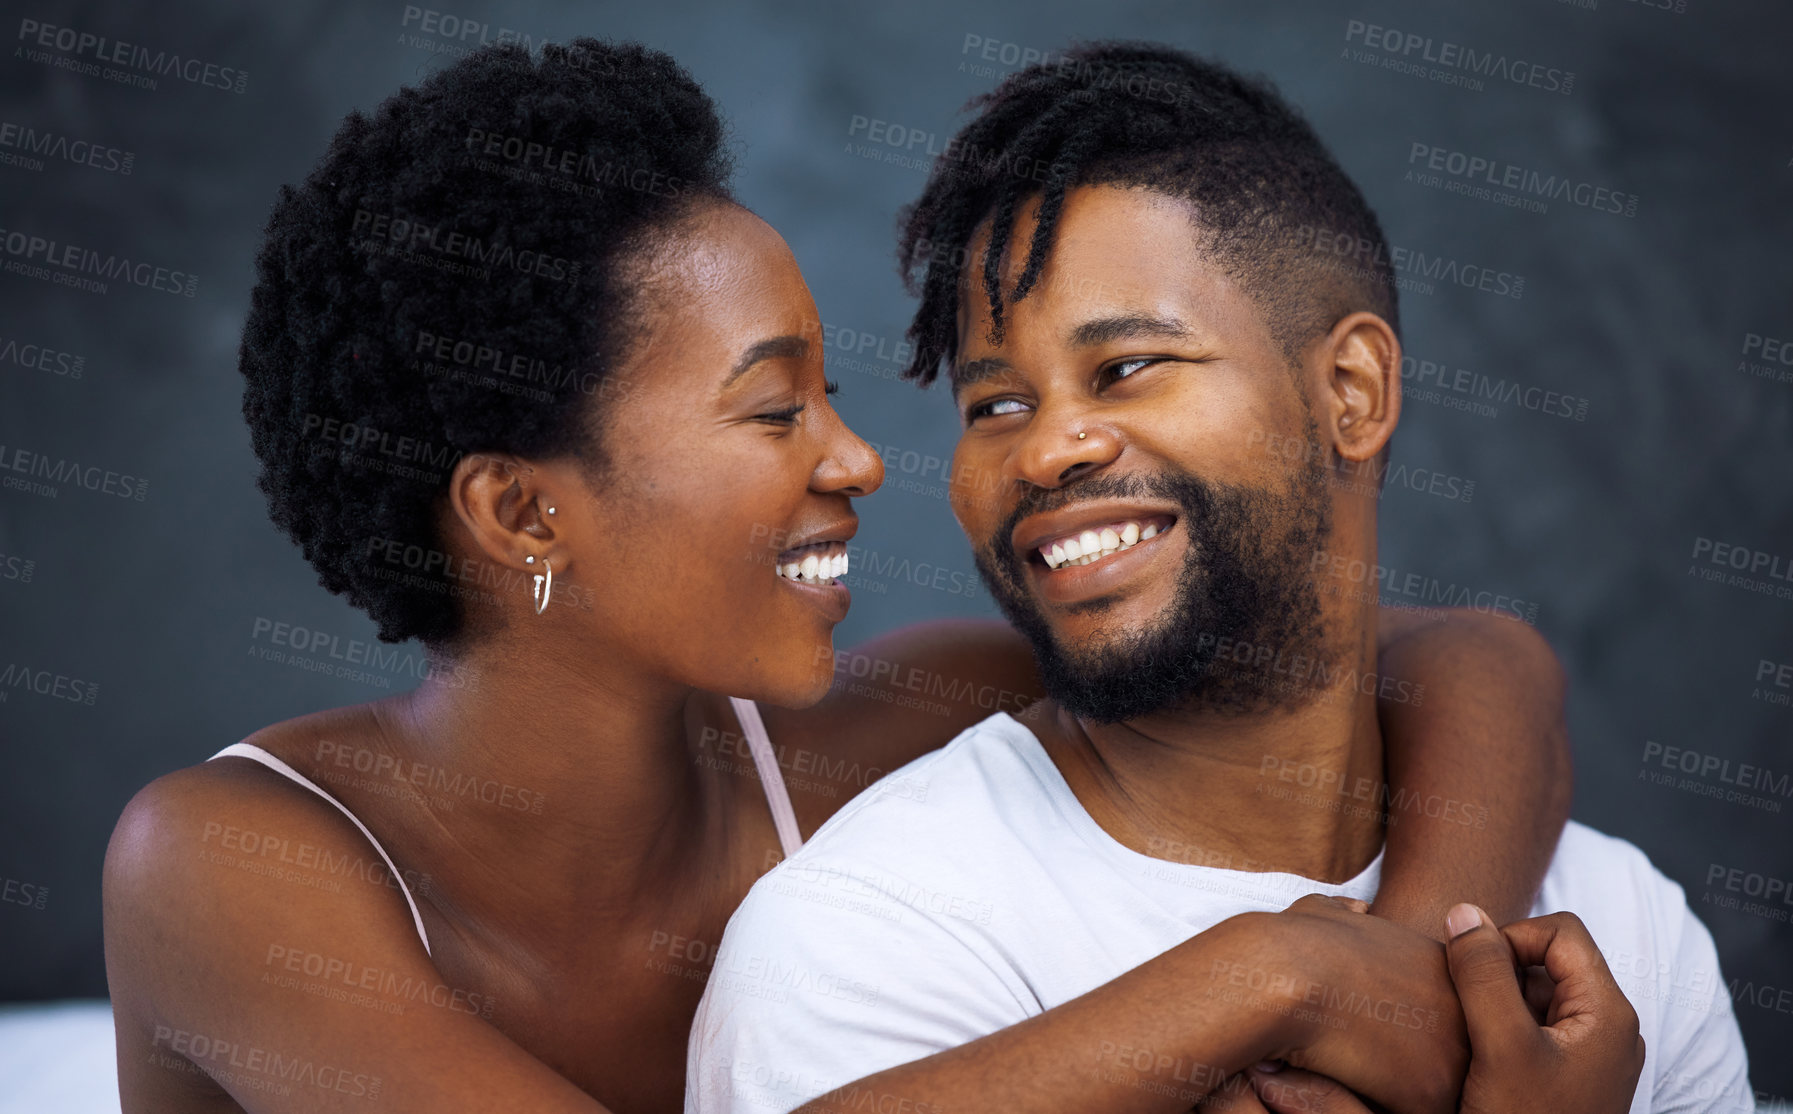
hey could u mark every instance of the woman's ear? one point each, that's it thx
(504, 506)
(1362, 388)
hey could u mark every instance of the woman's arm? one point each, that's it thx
(1478, 765)
(1178, 1028)
(1476, 747)
(267, 975)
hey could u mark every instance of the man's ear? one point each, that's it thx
(502, 502)
(1362, 387)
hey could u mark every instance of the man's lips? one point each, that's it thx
(1086, 533)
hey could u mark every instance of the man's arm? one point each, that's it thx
(1478, 765)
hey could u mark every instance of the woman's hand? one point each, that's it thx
(1585, 1056)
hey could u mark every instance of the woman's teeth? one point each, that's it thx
(815, 570)
(1093, 545)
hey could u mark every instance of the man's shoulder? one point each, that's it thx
(1664, 959)
(1592, 865)
(1656, 945)
(927, 797)
(913, 827)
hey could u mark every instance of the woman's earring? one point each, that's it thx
(544, 585)
(550, 510)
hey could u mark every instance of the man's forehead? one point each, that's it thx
(1111, 251)
(1122, 262)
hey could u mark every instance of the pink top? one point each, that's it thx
(783, 817)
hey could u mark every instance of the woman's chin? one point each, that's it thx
(799, 688)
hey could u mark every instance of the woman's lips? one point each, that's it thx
(813, 564)
(814, 572)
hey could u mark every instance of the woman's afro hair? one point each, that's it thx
(456, 276)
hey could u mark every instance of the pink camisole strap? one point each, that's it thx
(784, 818)
(257, 754)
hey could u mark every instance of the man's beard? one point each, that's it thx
(1245, 593)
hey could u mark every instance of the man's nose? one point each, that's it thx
(1058, 451)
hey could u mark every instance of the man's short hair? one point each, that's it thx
(1272, 206)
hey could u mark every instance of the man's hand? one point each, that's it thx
(1586, 1055)
(1374, 1004)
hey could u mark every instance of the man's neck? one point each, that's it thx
(1296, 790)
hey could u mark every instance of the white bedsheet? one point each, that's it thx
(58, 1056)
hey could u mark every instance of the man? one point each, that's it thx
(1176, 413)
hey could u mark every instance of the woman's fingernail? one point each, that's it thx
(1461, 919)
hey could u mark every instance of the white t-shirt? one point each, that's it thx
(969, 890)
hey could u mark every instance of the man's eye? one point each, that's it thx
(1128, 367)
(994, 408)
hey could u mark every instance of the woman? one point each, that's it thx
(528, 385)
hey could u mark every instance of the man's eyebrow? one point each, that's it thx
(1102, 330)
(788, 347)
(1126, 326)
(976, 371)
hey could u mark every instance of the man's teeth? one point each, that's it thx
(815, 570)
(1093, 545)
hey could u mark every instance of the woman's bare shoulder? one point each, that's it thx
(210, 840)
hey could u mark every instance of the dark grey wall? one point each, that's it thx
(1607, 520)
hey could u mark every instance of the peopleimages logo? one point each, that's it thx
(1457, 388)
(24, 462)
(52, 145)
(1465, 64)
(113, 59)
(1773, 351)
(1508, 184)
(72, 262)
(405, 235)
(1414, 270)
(41, 358)
(22, 678)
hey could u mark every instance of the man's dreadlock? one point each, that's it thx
(1273, 208)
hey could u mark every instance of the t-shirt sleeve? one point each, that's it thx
(826, 975)
(1701, 1065)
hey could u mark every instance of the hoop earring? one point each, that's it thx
(544, 585)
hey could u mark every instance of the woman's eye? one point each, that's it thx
(995, 407)
(785, 416)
